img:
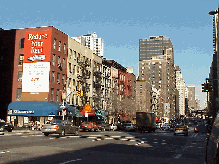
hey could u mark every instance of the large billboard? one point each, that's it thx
(37, 46)
(36, 77)
(36, 63)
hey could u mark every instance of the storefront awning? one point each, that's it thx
(33, 108)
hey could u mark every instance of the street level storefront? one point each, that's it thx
(24, 113)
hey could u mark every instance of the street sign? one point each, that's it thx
(63, 112)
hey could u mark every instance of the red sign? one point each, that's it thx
(63, 112)
(87, 107)
(37, 46)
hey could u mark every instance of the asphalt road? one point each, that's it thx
(103, 147)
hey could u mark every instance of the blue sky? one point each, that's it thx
(121, 23)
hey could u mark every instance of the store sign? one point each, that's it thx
(36, 77)
(23, 111)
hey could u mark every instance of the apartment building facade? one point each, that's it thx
(180, 86)
(156, 66)
(90, 40)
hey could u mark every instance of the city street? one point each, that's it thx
(103, 147)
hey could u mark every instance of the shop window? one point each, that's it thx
(53, 76)
(52, 94)
(18, 94)
(54, 60)
(21, 58)
(22, 43)
(19, 76)
(57, 95)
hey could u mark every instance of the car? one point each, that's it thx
(101, 126)
(89, 126)
(130, 127)
(196, 129)
(172, 128)
(157, 126)
(181, 129)
(165, 127)
(60, 127)
(112, 127)
(36, 57)
(2, 126)
(5, 127)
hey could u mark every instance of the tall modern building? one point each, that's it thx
(90, 40)
(154, 46)
(180, 86)
(191, 98)
(156, 67)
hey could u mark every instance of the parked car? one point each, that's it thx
(111, 127)
(60, 127)
(120, 126)
(181, 129)
(165, 127)
(5, 127)
(89, 126)
(102, 126)
(130, 127)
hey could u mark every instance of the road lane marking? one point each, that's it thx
(73, 160)
(178, 156)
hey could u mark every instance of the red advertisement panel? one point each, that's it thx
(37, 46)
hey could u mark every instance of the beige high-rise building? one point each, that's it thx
(191, 98)
(156, 68)
(180, 86)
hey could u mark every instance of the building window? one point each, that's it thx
(64, 49)
(73, 72)
(21, 58)
(53, 77)
(52, 94)
(59, 46)
(54, 60)
(58, 78)
(75, 57)
(63, 79)
(69, 67)
(63, 61)
(140, 86)
(18, 94)
(59, 60)
(54, 43)
(57, 95)
(19, 76)
(22, 43)
(69, 82)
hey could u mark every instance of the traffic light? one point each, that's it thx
(81, 93)
(206, 87)
(78, 93)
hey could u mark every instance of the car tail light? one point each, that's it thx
(56, 127)
(42, 127)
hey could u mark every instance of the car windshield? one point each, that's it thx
(56, 122)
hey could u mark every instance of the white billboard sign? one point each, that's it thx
(35, 77)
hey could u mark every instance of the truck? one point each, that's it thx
(145, 121)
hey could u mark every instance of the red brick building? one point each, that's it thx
(40, 53)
